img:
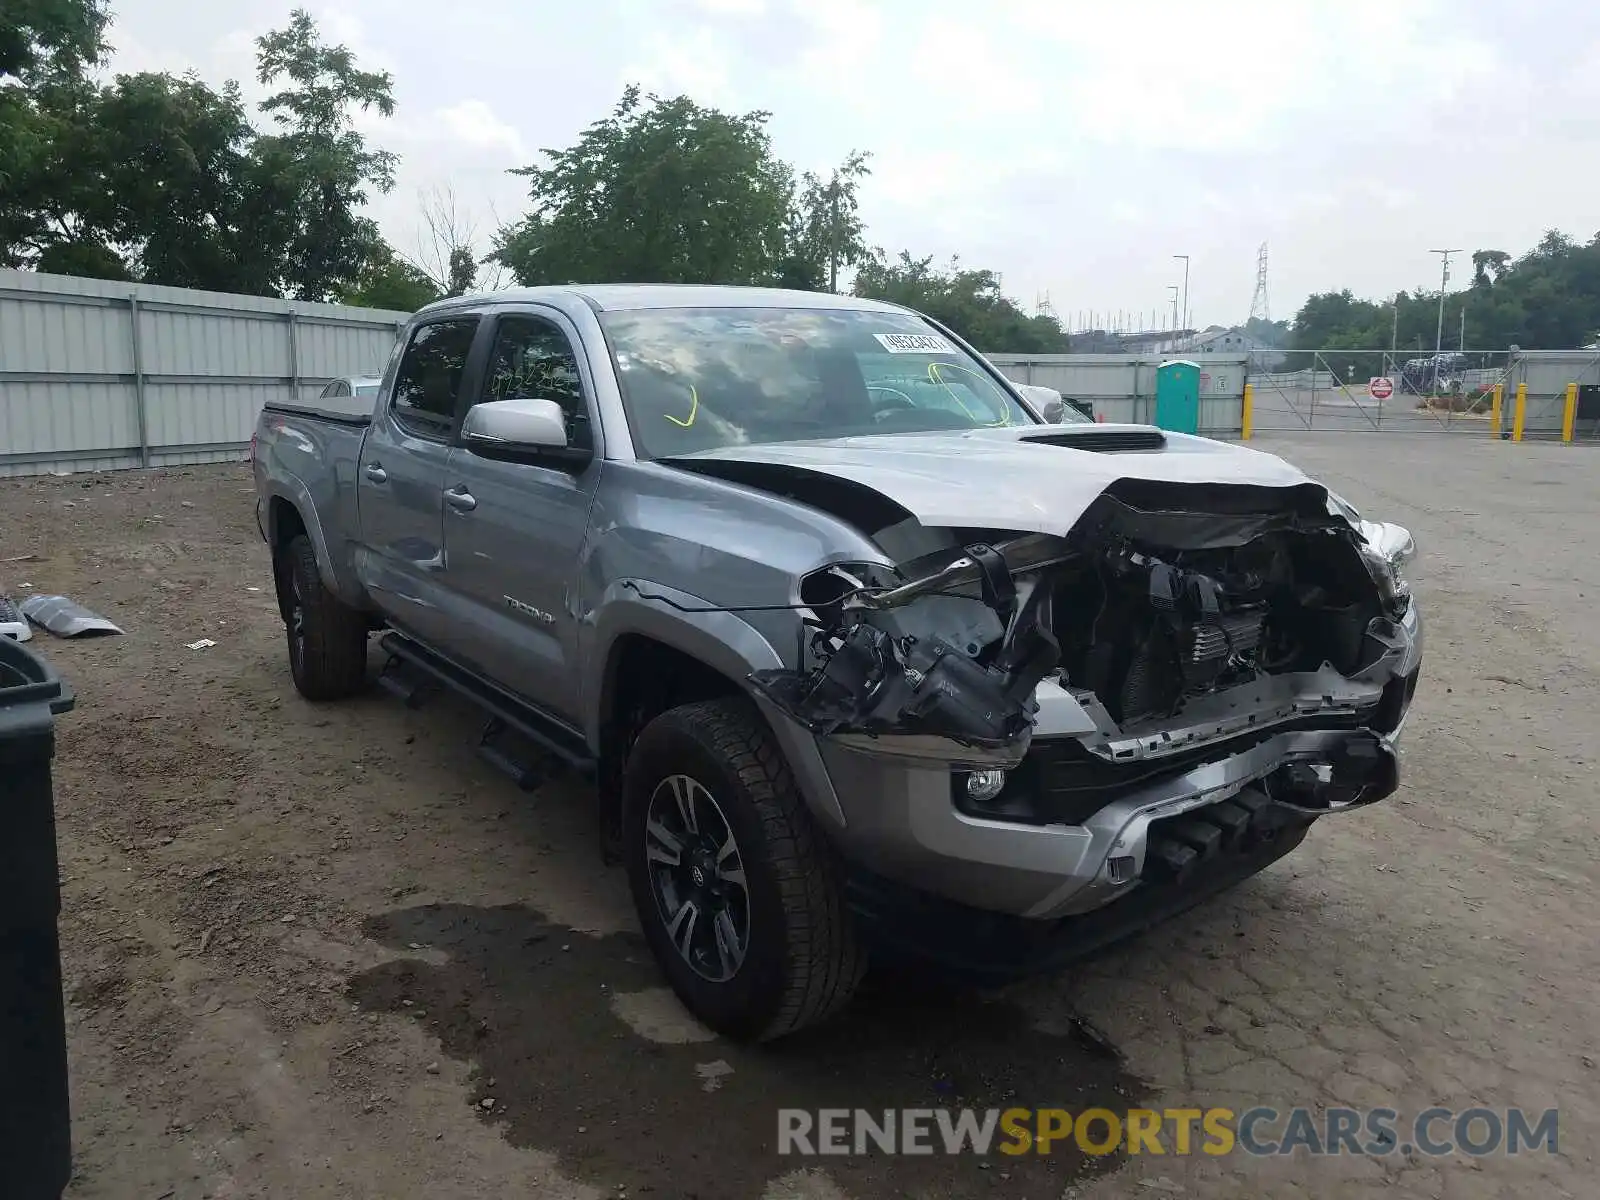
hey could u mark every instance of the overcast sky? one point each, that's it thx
(1074, 146)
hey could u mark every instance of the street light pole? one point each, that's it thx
(1185, 258)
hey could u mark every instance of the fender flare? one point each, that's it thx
(293, 492)
(723, 641)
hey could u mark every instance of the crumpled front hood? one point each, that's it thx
(995, 478)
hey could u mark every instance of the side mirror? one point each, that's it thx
(515, 428)
(1046, 399)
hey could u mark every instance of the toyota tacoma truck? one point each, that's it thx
(864, 653)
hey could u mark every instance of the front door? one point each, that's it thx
(514, 531)
(399, 482)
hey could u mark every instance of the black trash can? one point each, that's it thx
(35, 1119)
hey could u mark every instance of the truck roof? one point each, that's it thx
(613, 297)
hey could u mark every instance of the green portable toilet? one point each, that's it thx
(1178, 396)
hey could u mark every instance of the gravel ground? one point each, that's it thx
(326, 952)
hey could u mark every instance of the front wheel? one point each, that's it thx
(740, 896)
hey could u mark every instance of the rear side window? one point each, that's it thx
(429, 379)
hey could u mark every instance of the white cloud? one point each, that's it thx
(473, 123)
(696, 62)
(732, 8)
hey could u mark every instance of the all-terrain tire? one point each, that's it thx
(803, 958)
(327, 638)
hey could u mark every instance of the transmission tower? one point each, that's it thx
(1042, 305)
(1260, 306)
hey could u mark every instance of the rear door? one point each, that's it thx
(400, 479)
(514, 531)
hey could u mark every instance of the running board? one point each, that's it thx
(507, 714)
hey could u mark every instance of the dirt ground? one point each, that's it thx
(327, 952)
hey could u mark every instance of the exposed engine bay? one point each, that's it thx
(1161, 600)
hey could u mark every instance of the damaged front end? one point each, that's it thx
(1170, 624)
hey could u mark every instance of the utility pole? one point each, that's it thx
(1394, 339)
(1444, 279)
(1185, 258)
(1462, 346)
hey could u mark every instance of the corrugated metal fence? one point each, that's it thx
(1123, 386)
(99, 375)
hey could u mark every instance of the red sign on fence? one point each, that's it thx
(1381, 387)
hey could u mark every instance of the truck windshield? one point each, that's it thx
(698, 379)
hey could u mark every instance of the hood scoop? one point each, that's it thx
(1103, 441)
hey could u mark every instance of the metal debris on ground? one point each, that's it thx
(202, 644)
(65, 618)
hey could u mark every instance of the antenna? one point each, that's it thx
(1260, 305)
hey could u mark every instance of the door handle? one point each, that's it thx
(460, 499)
(376, 473)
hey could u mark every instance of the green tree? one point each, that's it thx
(175, 166)
(1487, 266)
(389, 281)
(50, 37)
(1549, 298)
(45, 132)
(968, 302)
(660, 191)
(163, 179)
(826, 231)
(318, 167)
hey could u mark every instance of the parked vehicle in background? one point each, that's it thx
(860, 650)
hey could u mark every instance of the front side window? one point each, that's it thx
(696, 379)
(429, 379)
(533, 360)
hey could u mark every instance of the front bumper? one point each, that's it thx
(903, 827)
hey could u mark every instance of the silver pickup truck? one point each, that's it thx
(862, 651)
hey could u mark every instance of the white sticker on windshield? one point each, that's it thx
(914, 343)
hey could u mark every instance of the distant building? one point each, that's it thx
(1231, 340)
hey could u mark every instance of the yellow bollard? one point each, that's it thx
(1569, 416)
(1494, 408)
(1519, 412)
(1247, 412)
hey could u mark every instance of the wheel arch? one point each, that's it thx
(652, 652)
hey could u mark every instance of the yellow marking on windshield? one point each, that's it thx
(694, 410)
(936, 373)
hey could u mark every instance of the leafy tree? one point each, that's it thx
(660, 191)
(1487, 266)
(968, 302)
(389, 281)
(175, 169)
(324, 167)
(164, 179)
(45, 47)
(1547, 299)
(825, 227)
(47, 37)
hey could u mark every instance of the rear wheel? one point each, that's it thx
(327, 638)
(740, 896)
